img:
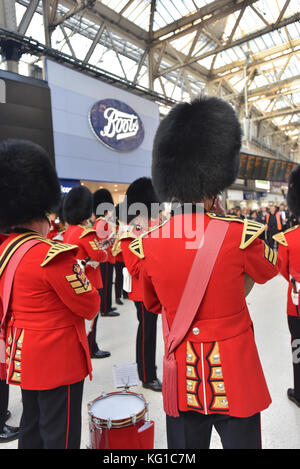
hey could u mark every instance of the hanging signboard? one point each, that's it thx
(116, 125)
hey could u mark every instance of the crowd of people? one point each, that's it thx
(53, 282)
(277, 218)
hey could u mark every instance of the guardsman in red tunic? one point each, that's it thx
(289, 255)
(47, 351)
(106, 231)
(213, 376)
(77, 210)
(119, 263)
(140, 192)
(7, 433)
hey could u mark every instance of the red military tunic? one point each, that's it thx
(219, 370)
(289, 255)
(50, 300)
(89, 248)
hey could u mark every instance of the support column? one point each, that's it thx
(11, 53)
(10, 50)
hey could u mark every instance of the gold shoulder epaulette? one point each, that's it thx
(136, 247)
(127, 234)
(14, 245)
(291, 229)
(86, 231)
(280, 237)
(225, 217)
(252, 230)
(55, 249)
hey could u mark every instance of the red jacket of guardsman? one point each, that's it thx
(50, 300)
(89, 250)
(219, 370)
(289, 255)
(132, 263)
(106, 235)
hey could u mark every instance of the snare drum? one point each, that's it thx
(119, 420)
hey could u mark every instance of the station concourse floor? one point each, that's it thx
(267, 305)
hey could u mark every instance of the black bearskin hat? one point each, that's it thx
(78, 205)
(29, 186)
(101, 196)
(140, 191)
(293, 195)
(196, 151)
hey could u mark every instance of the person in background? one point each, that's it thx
(119, 264)
(262, 215)
(289, 255)
(284, 213)
(46, 350)
(105, 226)
(274, 225)
(253, 215)
(238, 212)
(77, 210)
(245, 213)
(134, 225)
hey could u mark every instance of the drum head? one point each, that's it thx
(117, 406)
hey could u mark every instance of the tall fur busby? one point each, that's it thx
(141, 191)
(29, 186)
(293, 195)
(101, 196)
(196, 151)
(78, 205)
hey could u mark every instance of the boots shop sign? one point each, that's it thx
(116, 125)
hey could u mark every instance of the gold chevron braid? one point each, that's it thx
(19, 240)
(251, 231)
(280, 237)
(56, 249)
(225, 218)
(136, 247)
(86, 231)
(270, 255)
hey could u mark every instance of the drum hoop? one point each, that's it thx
(128, 421)
(118, 423)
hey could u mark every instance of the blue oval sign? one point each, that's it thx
(117, 125)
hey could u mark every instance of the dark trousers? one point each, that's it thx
(4, 395)
(192, 430)
(294, 326)
(51, 419)
(106, 292)
(92, 335)
(119, 279)
(146, 343)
